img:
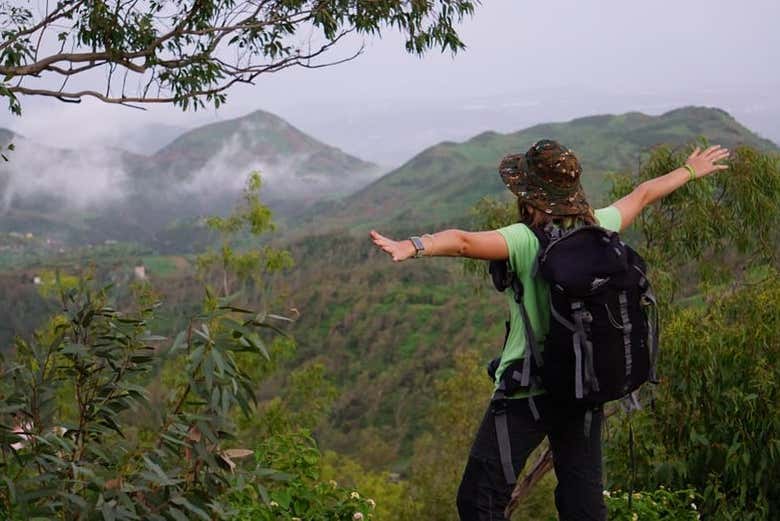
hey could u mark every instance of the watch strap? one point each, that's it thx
(418, 246)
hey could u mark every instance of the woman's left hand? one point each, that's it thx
(704, 162)
(398, 250)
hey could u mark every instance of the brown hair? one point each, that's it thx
(535, 218)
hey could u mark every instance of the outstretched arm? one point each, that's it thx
(448, 243)
(703, 164)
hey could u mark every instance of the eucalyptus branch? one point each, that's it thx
(182, 46)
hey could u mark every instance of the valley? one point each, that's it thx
(385, 333)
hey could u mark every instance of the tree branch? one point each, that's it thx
(181, 47)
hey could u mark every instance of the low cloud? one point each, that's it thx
(95, 178)
(85, 179)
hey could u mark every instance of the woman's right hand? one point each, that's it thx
(398, 250)
(703, 162)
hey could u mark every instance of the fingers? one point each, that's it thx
(378, 238)
(386, 245)
(715, 151)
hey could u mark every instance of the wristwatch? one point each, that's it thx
(418, 246)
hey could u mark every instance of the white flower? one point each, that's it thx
(606, 493)
(274, 504)
(357, 516)
(635, 517)
(354, 495)
(693, 506)
(371, 503)
(333, 483)
(295, 519)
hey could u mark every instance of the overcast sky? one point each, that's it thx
(526, 62)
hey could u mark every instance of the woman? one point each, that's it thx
(546, 182)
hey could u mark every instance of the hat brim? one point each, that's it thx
(516, 175)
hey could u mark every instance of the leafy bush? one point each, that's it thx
(300, 493)
(658, 505)
(97, 450)
(714, 423)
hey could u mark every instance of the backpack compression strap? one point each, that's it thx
(498, 403)
(532, 347)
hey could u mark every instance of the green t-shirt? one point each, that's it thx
(523, 248)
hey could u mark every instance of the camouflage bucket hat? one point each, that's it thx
(547, 177)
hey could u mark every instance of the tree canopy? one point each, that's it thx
(190, 52)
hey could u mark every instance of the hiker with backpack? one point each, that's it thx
(582, 328)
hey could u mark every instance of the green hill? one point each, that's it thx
(267, 142)
(442, 183)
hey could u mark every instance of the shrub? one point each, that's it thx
(657, 505)
(299, 492)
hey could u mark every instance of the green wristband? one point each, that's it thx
(690, 170)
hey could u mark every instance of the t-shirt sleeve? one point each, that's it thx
(521, 243)
(609, 218)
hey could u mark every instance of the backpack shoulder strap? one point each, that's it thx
(543, 237)
(500, 274)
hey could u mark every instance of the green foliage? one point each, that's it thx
(304, 404)
(303, 495)
(384, 333)
(52, 282)
(657, 505)
(715, 421)
(440, 455)
(390, 494)
(246, 266)
(305, 490)
(721, 226)
(94, 457)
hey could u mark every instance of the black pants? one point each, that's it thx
(484, 493)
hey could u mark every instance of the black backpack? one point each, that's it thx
(603, 338)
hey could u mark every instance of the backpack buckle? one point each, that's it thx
(499, 405)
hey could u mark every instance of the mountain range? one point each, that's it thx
(91, 195)
(441, 184)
